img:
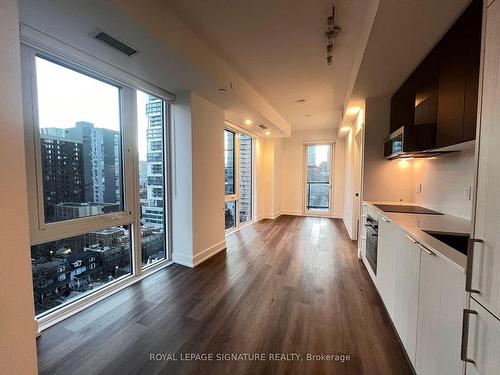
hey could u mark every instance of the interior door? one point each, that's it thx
(318, 178)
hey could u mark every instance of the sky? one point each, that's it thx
(66, 96)
(322, 154)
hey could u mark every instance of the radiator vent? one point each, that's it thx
(262, 126)
(114, 43)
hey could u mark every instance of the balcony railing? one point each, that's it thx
(318, 195)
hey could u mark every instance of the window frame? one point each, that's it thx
(237, 131)
(35, 44)
(41, 231)
(234, 196)
(167, 188)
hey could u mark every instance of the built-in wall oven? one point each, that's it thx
(371, 227)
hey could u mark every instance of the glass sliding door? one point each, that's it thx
(318, 178)
(153, 203)
(238, 179)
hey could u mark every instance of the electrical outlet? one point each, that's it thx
(419, 187)
(468, 193)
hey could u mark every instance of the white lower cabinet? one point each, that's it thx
(406, 290)
(425, 297)
(483, 342)
(442, 299)
(386, 252)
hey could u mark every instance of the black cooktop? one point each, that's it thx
(399, 208)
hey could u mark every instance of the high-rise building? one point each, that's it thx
(153, 209)
(62, 165)
(53, 132)
(101, 155)
(245, 178)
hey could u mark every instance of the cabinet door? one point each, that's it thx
(483, 344)
(485, 275)
(441, 302)
(452, 68)
(472, 43)
(385, 263)
(426, 78)
(403, 106)
(407, 270)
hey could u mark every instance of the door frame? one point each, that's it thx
(305, 211)
(237, 131)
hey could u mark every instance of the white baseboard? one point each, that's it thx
(270, 216)
(192, 262)
(296, 213)
(208, 253)
(182, 259)
(348, 227)
(293, 212)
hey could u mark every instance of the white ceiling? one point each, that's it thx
(279, 47)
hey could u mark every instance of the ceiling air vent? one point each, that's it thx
(114, 43)
(262, 126)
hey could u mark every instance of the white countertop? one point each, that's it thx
(415, 224)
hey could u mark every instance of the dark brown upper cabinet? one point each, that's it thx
(425, 100)
(402, 106)
(459, 59)
(443, 90)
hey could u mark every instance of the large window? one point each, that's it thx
(80, 143)
(151, 125)
(229, 169)
(97, 169)
(70, 268)
(246, 178)
(238, 178)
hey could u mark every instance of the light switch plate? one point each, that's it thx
(419, 187)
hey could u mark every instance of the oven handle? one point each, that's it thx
(371, 231)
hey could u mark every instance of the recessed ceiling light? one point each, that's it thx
(353, 110)
(307, 115)
(248, 122)
(300, 101)
(267, 132)
(222, 89)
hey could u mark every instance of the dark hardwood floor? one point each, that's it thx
(293, 285)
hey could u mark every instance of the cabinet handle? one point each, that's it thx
(425, 249)
(384, 219)
(411, 239)
(468, 270)
(465, 335)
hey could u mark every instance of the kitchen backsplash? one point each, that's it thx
(445, 183)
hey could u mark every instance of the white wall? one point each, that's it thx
(198, 179)
(208, 177)
(292, 170)
(444, 180)
(17, 325)
(268, 173)
(182, 180)
(383, 180)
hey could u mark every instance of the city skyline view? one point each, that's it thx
(81, 161)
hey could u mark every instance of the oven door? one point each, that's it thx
(371, 247)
